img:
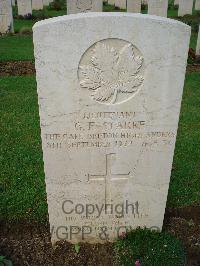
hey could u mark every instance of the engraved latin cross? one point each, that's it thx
(108, 178)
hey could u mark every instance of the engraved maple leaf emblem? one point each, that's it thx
(110, 72)
(84, 4)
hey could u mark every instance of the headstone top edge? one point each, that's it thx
(146, 17)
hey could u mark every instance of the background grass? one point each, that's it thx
(16, 48)
(22, 186)
(21, 23)
(185, 186)
(193, 40)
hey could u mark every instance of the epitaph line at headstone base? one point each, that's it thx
(109, 103)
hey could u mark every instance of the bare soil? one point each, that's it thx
(17, 68)
(184, 223)
(193, 68)
(29, 243)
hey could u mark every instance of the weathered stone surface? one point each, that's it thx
(46, 2)
(6, 17)
(144, 2)
(197, 4)
(24, 7)
(111, 2)
(134, 6)
(84, 6)
(158, 7)
(109, 105)
(121, 4)
(198, 43)
(185, 7)
(37, 4)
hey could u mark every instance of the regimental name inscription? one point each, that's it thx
(106, 130)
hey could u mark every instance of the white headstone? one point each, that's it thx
(37, 4)
(6, 17)
(176, 2)
(134, 6)
(198, 43)
(109, 108)
(24, 7)
(111, 2)
(46, 2)
(158, 7)
(197, 5)
(121, 4)
(185, 7)
(84, 6)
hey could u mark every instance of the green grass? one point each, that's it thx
(22, 189)
(22, 178)
(193, 40)
(111, 8)
(151, 248)
(185, 185)
(21, 23)
(48, 13)
(16, 48)
(172, 12)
